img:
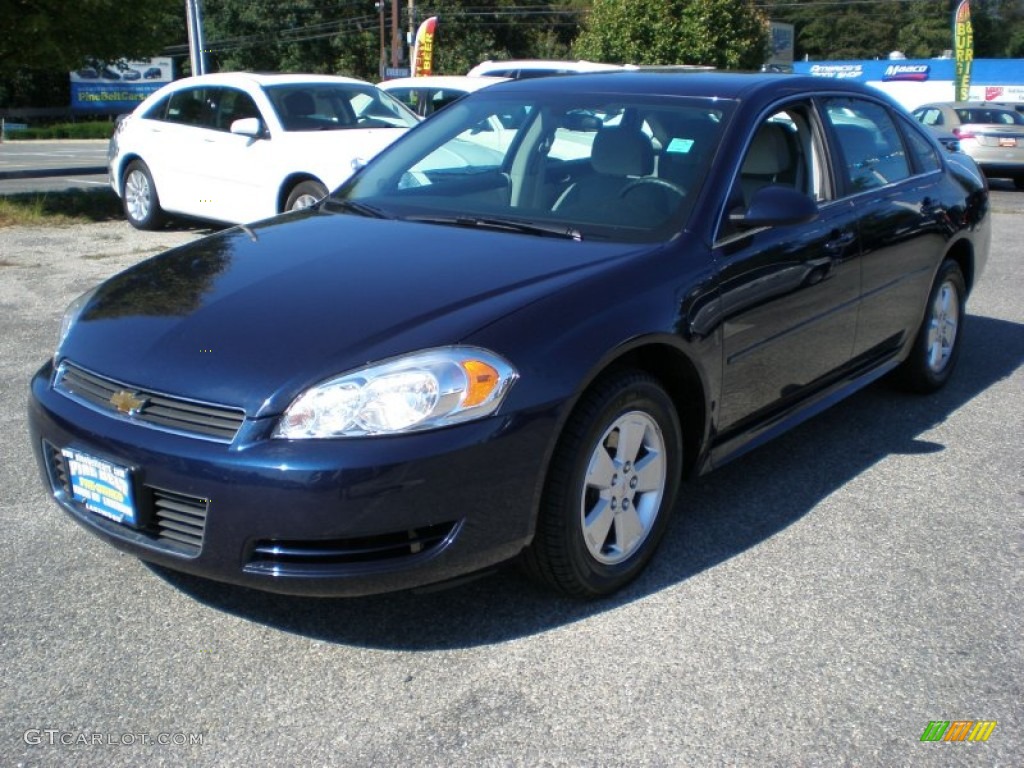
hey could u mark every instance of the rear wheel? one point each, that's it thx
(610, 488)
(304, 194)
(139, 198)
(937, 346)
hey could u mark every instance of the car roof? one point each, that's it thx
(727, 85)
(575, 66)
(265, 79)
(464, 82)
(968, 104)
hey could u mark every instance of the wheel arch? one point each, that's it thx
(122, 165)
(962, 252)
(675, 370)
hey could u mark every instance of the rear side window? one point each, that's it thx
(922, 152)
(870, 148)
(929, 116)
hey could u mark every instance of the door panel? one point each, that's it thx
(789, 301)
(788, 293)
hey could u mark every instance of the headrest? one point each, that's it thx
(622, 152)
(769, 151)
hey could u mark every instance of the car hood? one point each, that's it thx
(253, 315)
(329, 155)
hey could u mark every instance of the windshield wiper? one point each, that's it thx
(504, 225)
(354, 207)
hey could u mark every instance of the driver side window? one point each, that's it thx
(782, 151)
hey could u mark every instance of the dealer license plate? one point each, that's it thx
(101, 487)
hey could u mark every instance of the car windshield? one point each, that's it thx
(587, 166)
(330, 107)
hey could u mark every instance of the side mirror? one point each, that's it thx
(776, 206)
(248, 126)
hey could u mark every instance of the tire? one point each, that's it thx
(937, 346)
(139, 199)
(606, 504)
(1019, 182)
(304, 194)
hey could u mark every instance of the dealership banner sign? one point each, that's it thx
(423, 49)
(121, 86)
(963, 47)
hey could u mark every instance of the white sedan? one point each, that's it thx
(238, 147)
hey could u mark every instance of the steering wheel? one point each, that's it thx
(653, 180)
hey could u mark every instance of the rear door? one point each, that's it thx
(893, 177)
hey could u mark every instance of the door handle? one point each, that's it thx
(840, 241)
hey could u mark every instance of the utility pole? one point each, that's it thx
(383, 58)
(410, 36)
(197, 56)
(395, 43)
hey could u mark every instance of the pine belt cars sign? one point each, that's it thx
(111, 87)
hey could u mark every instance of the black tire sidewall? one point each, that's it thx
(309, 187)
(918, 373)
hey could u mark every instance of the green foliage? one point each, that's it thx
(94, 129)
(72, 206)
(57, 36)
(918, 28)
(728, 34)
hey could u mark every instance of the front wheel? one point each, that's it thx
(139, 198)
(610, 489)
(937, 346)
(305, 194)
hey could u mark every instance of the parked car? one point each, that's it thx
(519, 69)
(993, 134)
(427, 95)
(238, 147)
(439, 368)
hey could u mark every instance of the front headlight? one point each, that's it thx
(420, 391)
(71, 315)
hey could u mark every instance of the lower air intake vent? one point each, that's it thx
(179, 521)
(278, 555)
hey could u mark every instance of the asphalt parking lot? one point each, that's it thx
(816, 603)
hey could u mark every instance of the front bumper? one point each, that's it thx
(312, 517)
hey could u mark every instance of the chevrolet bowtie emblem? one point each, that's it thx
(127, 402)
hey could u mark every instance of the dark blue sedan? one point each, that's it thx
(491, 347)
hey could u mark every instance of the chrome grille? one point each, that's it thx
(174, 414)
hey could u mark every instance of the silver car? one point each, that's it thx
(993, 134)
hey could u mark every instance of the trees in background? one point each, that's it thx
(918, 28)
(729, 34)
(58, 36)
(42, 40)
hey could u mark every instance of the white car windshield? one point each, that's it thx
(590, 166)
(327, 107)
